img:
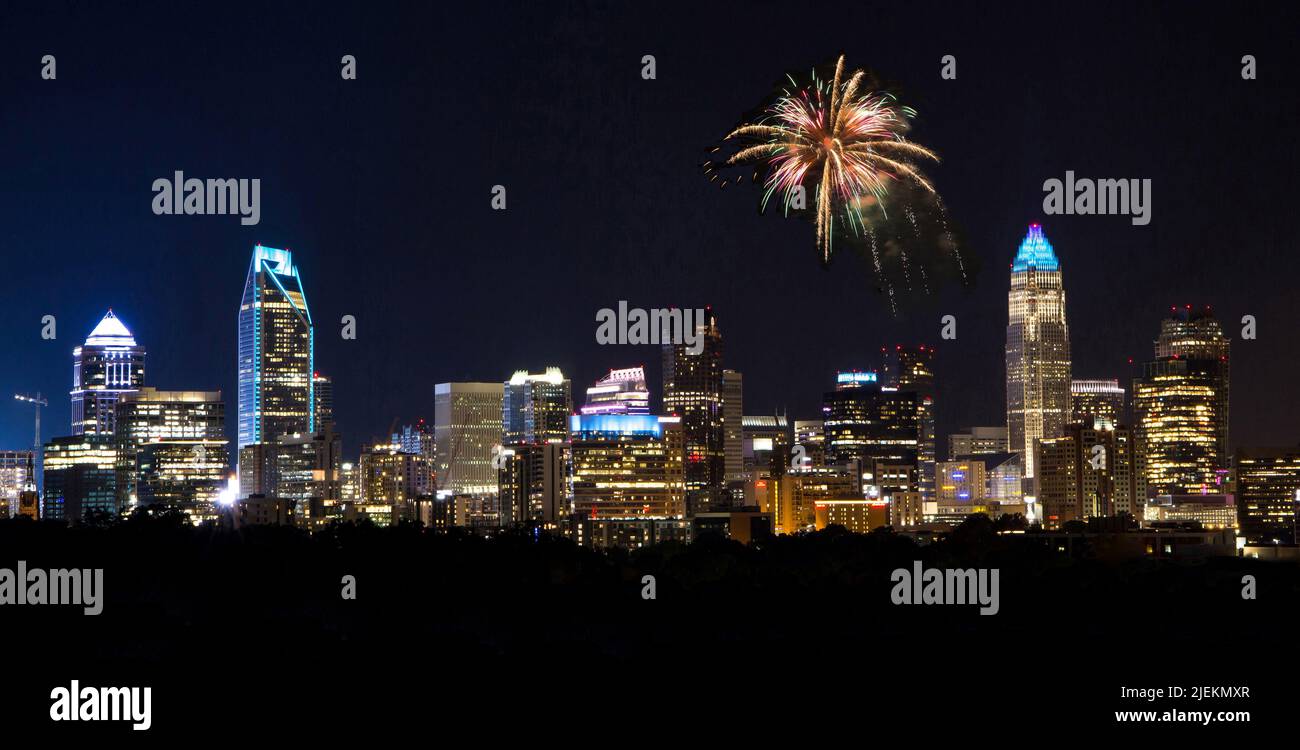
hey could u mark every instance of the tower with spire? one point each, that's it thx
(1038, 350)
(108, 365)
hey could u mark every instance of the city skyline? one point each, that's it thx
(408, 249)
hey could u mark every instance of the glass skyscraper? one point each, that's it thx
(1038, 349)
(108, 365)
(693, 391)
(276, 349)
(1180, 405)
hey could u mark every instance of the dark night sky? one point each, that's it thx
(381, 186)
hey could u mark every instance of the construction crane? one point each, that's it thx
(38, 402)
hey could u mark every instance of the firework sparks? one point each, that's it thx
(830, 139)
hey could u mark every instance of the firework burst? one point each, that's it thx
(836, 142)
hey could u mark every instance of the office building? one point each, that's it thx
(80, 477)
(467, 436)
(1097, 403)
(627, 466)
(1038, 349)
(536, 408)
(104, 368)
(276, 351)
(693, 391)
(977, 440)
(1180, 405)
(1268, 489)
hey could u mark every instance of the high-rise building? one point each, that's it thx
(911, 368)
(323, 395)
(276, 351)
(766, 443)
(1098, 403)
(1038, 349)
(977, 440)
(533, 484)
(172, 450)
(733, 411)
(80, 477)
(418, 438)
(536, 408)
(1090, 473)
(1180, 405)
(620, 392)
(693, 391)
(1268, 490)
(467, 432)
(305, 470)
(866, 422)
(104, 368)
(627, 467)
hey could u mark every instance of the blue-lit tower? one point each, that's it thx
(1038, 350)
(276, 351)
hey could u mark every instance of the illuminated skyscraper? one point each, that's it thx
(80, 477)
(172, 450)
(323, 396)
(627, 466)
(1038, 348)
(1268, 494)
(693, 391)
(911, 368)
(1098, 403)
(871, 423)
(535, 408)
(733, 412)
(620, 392)
(108, 365)
(276, 345)
(1090, 473)
(1180, 405)
(466, 429)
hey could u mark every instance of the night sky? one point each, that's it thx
(381, 187)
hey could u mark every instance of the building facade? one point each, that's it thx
(276, 351)
(1038, 349)
(109, 365)
(1180, 405)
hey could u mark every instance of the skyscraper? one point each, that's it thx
(1038, 348)
(693, 391)
(1097, 403)
(620, 392)
(1089, 473)
(733, 412)
(535, 408)
(1268, 493)
(466, 429)
(108, 365)
(1180, 405)
(627, 466)
(911, 368)
(172, 450)
(323, 397)
(276, 349)
(871, 423)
